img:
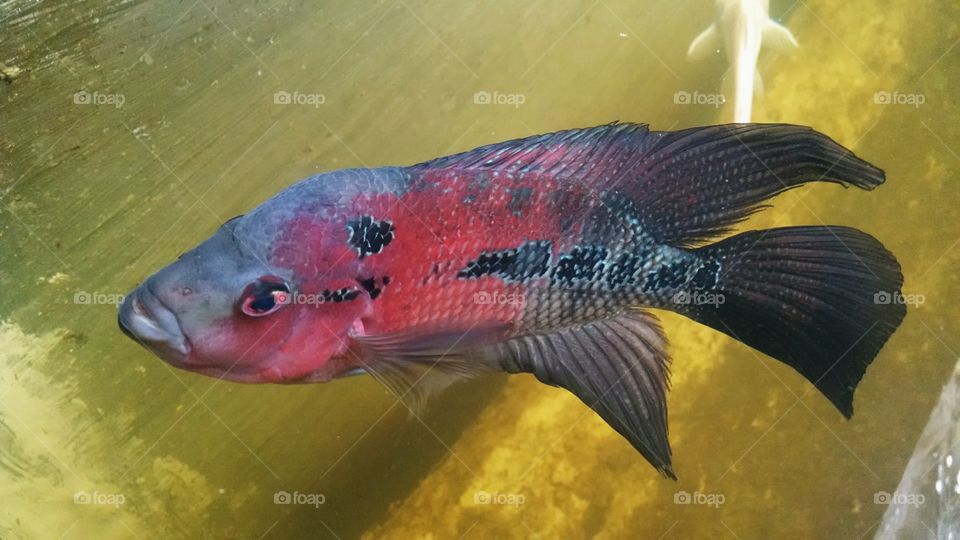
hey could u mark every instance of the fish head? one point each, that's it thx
(270, 297)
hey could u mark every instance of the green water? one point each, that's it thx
(96, 196)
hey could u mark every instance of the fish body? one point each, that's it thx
(537, 255)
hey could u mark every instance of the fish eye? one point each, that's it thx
(264, 296)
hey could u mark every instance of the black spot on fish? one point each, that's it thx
(340, 295)
(368, 235)
(529, 260)
(624, 271)
(668, 276)
(583, 263)
(533, 261)
(519, 199)
(370, 285)
(479, 181)
(489, 263)
(706, 276)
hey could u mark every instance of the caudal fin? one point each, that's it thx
(820, 299)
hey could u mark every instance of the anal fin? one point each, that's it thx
(618, 367)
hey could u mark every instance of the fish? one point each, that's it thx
(544, 256)
(741, 29)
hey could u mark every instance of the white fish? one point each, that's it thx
(741, 28)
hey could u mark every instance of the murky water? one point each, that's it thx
(129, 131)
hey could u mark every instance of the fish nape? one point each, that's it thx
(542, 256)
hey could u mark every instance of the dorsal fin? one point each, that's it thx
(687, 186)
(569, 153)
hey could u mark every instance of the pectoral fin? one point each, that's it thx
(618, 367)
(417, 363)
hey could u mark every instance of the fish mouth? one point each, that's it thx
(145, 319)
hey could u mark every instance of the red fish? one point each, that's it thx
(537, 255)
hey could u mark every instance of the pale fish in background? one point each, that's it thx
(741, 29)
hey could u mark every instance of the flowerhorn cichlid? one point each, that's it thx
(537, 255)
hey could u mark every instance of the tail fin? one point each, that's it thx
(820, 299)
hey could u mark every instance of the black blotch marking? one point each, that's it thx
(368, 235)
(479, 181)
(519, 200)
(706, 276)
(668, 276)
(562, 202)
(529, 260)
(624, 271)
(370, 285)
(533, 261)
(340, 295)
(489, 263)
(583, 263)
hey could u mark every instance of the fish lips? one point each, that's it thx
(145, 319)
